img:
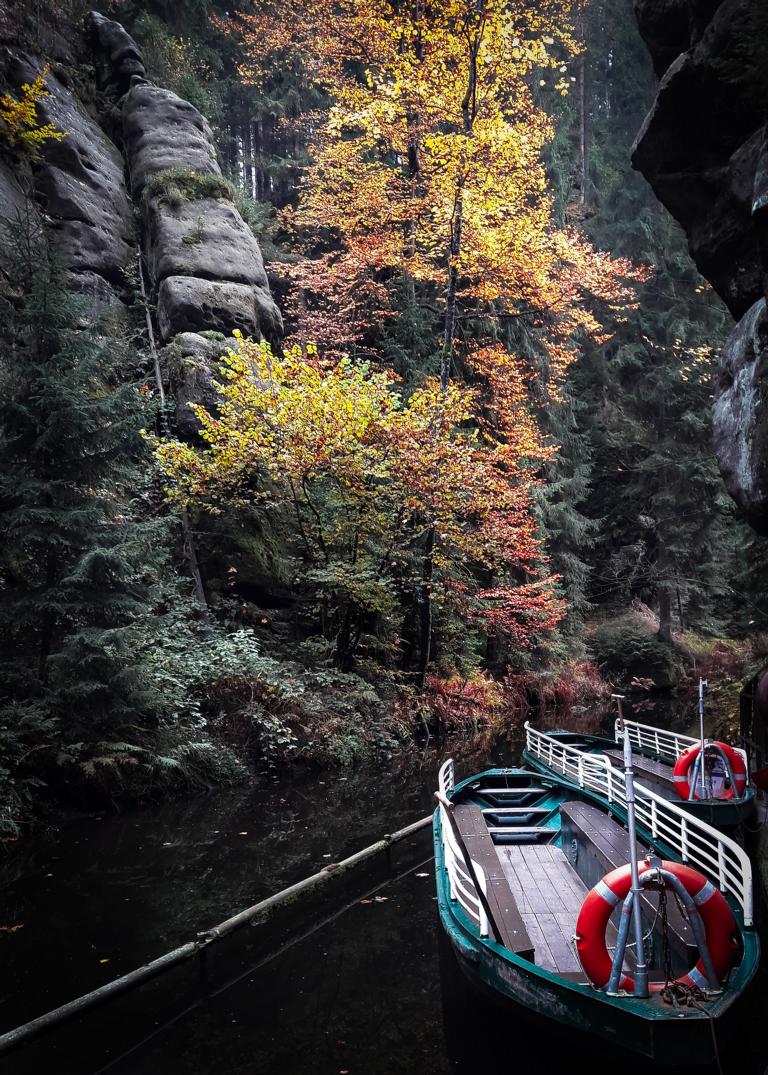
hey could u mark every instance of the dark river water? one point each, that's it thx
(372, 991)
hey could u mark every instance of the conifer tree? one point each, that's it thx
(78, 572)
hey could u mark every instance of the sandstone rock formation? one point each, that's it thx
(204, 265)
(703, 150)
(118, 57)
(153, 182)
(192, 359)
(163, 132)
(82, 186)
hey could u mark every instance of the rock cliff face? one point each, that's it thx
(703, 148)
(141, 173)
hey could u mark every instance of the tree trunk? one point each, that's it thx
(680, 609)
(665, 613)
(427, 571)
(468, 110)
(583, 130)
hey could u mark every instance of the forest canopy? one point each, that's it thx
(474, 475)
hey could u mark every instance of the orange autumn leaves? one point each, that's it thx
(367, 473)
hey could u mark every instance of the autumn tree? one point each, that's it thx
(366, 474)
(426, 196)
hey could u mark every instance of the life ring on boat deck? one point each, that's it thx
(688, 757)
(600, 902)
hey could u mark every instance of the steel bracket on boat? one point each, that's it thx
(656, 872)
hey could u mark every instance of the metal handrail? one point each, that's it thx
(696, 842)
(658, 740)
(461, 884)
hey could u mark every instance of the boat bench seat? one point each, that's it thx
(482, 850)
(596, 844)
(655, 774)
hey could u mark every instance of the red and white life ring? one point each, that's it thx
(689, 756)
(600, 902)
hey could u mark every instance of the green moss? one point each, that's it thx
(175, 186)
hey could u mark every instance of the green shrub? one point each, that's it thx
(175, 186)
(627, 649)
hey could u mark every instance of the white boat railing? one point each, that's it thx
(462, 887)
(658, 740)
(696, 842)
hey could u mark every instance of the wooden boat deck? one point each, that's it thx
(549, 895)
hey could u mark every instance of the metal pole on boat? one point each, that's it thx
(702, 767)
(641, 969)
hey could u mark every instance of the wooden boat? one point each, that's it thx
(516, 855)
(656, 752)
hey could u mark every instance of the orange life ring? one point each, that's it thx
(600, 902)
(689, 756)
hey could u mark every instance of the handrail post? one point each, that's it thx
(641, 968)
(704, 789)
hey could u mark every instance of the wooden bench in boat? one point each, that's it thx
(534, 893)
(599, 844)
(657, 774)
(482, 849)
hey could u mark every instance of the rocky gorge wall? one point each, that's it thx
(138, 171)
(704, 149)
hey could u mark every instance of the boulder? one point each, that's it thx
(191, 304)
(740, 415)
(100, 294)
(704, 150)
(162, 132)
(698, 145)
(117, 57)
(665, 26)
(206, 238)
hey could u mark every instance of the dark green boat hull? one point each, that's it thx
(643, 1027)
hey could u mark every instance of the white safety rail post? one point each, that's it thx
(693, 840)
(702, 765)
(446, 778)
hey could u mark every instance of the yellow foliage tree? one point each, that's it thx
(19, 124)
(367, 474)
(430, 163)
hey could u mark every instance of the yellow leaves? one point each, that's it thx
(18, 118)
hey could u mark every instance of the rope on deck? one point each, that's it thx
(21, 1035)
